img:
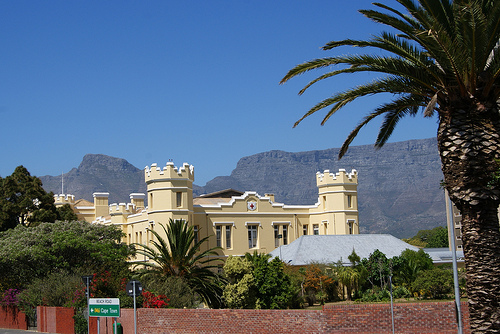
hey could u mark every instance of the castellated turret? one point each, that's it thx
(168, 172)
(170, 191)
(338, 202)
(62, 199)
(341, 177)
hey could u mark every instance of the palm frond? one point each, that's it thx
(395, 110)
(179, 255)
(441, 52)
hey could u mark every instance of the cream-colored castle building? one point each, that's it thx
(237, 222)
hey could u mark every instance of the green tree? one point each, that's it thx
(255, 281)
(35, 252)
(439, 238)
(378, 268)
(434, 283)
(274, 286)
(441, 57)
(409, 265)
(240, 291)
(349, 277)
(179, 255)
(24, 201)
(435, 238)
(66, 213)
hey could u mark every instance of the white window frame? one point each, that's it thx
(223, 240)
(350, 226)
(253, 238)
(315, 229)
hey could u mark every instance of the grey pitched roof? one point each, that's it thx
(333, 248)
(444, 255)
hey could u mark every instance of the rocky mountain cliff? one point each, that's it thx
(398, 188)
(99, 173)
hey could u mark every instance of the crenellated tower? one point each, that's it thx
(61, 199)
(337, 202)
(170, 192)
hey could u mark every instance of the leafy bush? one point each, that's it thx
(176, 288)
(436, 283)
(375, 295)
(35, 252)
(57, 289)
(401, 292)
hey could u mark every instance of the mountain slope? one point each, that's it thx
(99, 173)
(398, 188)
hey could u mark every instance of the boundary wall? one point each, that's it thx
(11, 317)
(409, 318)
(55, 319)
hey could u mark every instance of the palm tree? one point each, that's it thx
(444, 60)
(178, 255)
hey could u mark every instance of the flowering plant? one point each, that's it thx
(9, 297)
(154, 301)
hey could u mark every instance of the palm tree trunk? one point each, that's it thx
(469, 145)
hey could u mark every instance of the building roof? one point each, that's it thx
(333, 248)
(226, 193)
(211, 200)
(83, 202)
(444, 255)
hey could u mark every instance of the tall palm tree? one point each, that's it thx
(444, 59)
(179, 255)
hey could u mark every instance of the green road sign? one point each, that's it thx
(104, 307)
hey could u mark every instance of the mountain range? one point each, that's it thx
(398, 193)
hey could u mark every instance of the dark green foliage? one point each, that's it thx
(435, 238)
(178, 255)
(375, 295)
(57, 289)
(407, 266)
(439, 238)
(65, 213)
(435, 283)
(256, 282)
(273, 285)
(378, 268)
(30, 253)
(24, 201)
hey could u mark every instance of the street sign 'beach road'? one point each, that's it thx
(104, 307)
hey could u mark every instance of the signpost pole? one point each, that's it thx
(87, 279)
(135, 310)
(98, 325)
(133, 289)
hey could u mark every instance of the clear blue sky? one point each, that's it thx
(191, 81)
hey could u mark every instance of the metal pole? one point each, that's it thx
(392, 306)
(451, 230)
(88, 309)
(135, 310)
(98, 325)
